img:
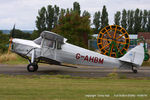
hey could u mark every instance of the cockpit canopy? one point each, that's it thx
(38, 40)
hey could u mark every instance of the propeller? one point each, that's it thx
(11, 38)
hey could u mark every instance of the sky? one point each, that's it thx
(23, 13)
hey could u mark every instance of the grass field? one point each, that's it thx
(59, 87)
(72, 88)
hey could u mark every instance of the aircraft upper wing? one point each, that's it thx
(52, 36)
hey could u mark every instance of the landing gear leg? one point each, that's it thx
(33, 66)
(134, 69)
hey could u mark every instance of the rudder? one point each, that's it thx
(134, 56)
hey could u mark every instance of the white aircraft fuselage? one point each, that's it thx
(72, 54)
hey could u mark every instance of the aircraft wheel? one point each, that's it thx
(32, 67)
(36, 67)
(134, 70)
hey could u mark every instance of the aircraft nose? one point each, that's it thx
(10, 44)
(12, 41)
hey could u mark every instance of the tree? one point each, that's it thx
(34, 35)
(130, 21)
(140, 20)
(20, 34)
(104, 17)
(137, 22)
(5, 38)
(49, 17)
(4, 41)
(75, 28)
(144, 22)
(124, 19)
(76, 7)
(41, 20)
(62, 14)
(86, 13)
(96, 21)
(117, 18)
(56, 15)
(148, 23)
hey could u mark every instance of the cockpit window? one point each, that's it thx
(38, 40)
(49, 43)
(58, 45)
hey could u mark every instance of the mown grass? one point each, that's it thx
(68, 88)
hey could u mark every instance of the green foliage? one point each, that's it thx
(140, 20)
(62, 13)
(137, 21)
(4, 41)
(49, 17)
(134, 21)
(20, 34)
(68, 23)
(34, 35)
(104, 17)
(75, 28)
(148, 23)
(56, 15)
(130, 21)
(52, 17)
(124, 19)
(86, 13)
(117, 18)
(100, 20)
(96, 22)
(76, 7)
(41, 20)
(144, 20)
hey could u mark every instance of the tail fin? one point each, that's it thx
(134, 56)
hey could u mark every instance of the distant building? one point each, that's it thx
(133, 40)
(146, 36)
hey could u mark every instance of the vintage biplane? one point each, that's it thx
(52, 48)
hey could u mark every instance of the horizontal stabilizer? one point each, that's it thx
(134, 56)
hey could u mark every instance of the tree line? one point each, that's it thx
(4, 38)
(133, 21)
(78, 27)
